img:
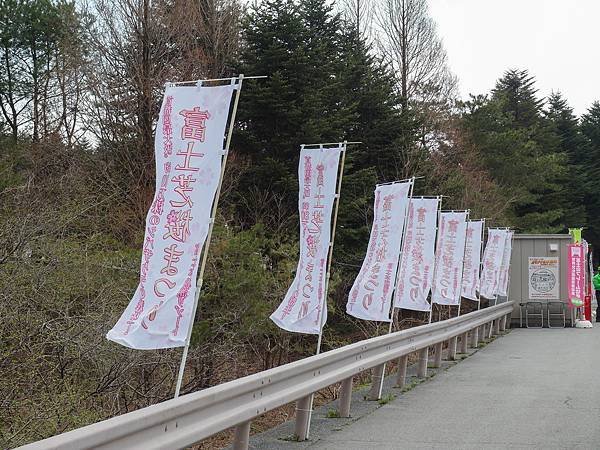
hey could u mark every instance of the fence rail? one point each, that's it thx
(193, 417)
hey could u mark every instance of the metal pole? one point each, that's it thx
(401, 376)
(422, 367)
(481, 252)
(390, 327)
(512, 237)
(437, 359)
(242, 436)
(435, 266)
(463, 266)
(398, 266)
(324, 304)
(200, 278)
(329, 254)
(464, 342)
(215, 79)
(345, 397)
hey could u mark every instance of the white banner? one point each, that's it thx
(371, 294)
(188, 149)
(473, 243)
(505, 265)
(492, 259)
(300, 310)
(417, 259)
(450, 251)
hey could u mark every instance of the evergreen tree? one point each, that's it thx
(518, 95)
(590, 162)
(522, 152)
(324, 85)
(298, 48)
(575, 146)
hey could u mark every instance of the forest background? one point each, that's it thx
(80, 90)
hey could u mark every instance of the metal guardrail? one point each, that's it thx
(193, 417)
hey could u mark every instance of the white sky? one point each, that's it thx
(556, 40)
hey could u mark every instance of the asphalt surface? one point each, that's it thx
(528, 389)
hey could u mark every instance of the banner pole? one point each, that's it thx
(463, 264)
(435, 268)
(200, 278)
(410, 192)
(329, 255)
(392, 309)
(480, 264)
(512, 237)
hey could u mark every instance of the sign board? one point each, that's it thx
(543, 278)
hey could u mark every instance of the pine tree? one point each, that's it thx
(575, 146)
(518, 95)
(522, 152)
(297, 47)
(590, 162)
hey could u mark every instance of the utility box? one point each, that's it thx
(538, 272)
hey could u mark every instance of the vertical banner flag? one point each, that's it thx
(449, 257)
(417, 259)
(300, 310)
(371, 294)
(575, 275)
(492, 259)
(591, 270)
(505, 265)
(188, 150)
(472, 263)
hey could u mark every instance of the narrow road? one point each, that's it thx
(530, 389)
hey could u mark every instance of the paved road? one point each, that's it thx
(530, 389)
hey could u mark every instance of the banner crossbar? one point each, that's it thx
(323, 144)
(240, 77)
(404, 180)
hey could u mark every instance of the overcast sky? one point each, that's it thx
(558, 41)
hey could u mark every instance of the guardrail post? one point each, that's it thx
(437, 360)
(506, 322)
(497, 326)
(503, 323)
(474, 337)
(302, 417)
(345, 397)
(401, 377)
(242, 436)
(422, 368)
(490, 329)
(377, 375)
(464, 344)
(452, 348)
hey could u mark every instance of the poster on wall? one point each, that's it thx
(544, 278)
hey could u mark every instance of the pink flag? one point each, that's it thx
(300, 311)
(472, 263)
(575, 275)
(188, 150)
(492, 260)
(447, 277)
(417, 259)
(371, 294)
(505, 265)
